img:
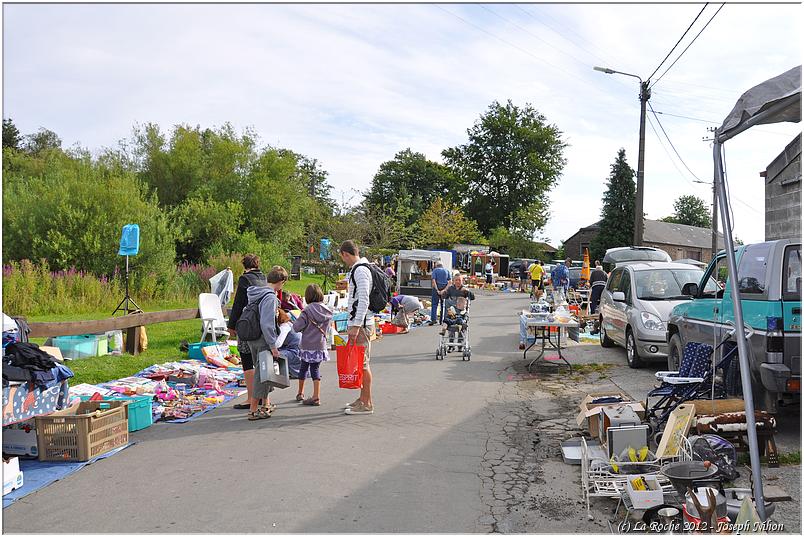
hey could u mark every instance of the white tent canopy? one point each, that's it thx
(774, 101)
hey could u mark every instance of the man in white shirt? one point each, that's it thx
(359, 319)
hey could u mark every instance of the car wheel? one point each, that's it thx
(631, 350)
(604, 339)
(674, 353)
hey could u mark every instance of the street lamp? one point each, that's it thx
(644, 95)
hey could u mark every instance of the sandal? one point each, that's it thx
(312, 402)
(299, 397)
(259, 414)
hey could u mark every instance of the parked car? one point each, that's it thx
(517, 266)
(636, 304)
(635, 254)
(770, 293)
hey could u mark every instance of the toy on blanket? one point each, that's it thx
(218, 355)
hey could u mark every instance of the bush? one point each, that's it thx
(71, 212)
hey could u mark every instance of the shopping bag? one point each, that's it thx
(350, 366)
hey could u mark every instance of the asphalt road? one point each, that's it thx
(454, 447)
(412, 466)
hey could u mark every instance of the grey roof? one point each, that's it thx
(679, 235)
(546, 247)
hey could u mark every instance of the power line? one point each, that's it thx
(672, 160)
(688, 46)
(718, 123)
(525, 51)
(679, 41)
(684, 163)
(671, 143)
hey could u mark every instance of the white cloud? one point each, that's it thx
(353, 84)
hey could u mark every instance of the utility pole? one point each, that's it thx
(644, 95)
(714, 221)
(639, 219)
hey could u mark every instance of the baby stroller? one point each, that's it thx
(456, 336)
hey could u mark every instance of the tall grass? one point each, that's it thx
(32, 289)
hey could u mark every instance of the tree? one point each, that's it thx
(512, 160)
(617, 214)
(42, 140)
(444, 224)
(691, 211)
(514, 244)
(11, 135)
(409, 181)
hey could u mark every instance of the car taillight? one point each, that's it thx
(775, 344)
(793, 385)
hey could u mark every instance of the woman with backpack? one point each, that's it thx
(251, 276)
(264, 301)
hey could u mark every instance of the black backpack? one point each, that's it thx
(380, 294)
(248, 325)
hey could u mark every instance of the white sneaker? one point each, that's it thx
(360, 409)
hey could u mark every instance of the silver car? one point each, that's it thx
(636, 304)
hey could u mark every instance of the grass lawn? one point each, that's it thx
(163, 340)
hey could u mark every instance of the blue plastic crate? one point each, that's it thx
(340, 319)
(140, 410)
(74, 347)
(194, 352)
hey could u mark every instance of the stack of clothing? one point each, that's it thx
(26, 362)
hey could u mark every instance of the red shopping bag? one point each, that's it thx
(350, 366)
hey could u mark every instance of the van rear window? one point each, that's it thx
(753, 269)
(791, 273)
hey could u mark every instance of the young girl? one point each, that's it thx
(312, 324)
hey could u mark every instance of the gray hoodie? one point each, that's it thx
(267, 311)
(314, 315)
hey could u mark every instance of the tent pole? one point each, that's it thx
(742, 343)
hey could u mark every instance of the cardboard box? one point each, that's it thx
(591, 412)
(55, 352)
(20, 441)
(645, 499)
(12, 476)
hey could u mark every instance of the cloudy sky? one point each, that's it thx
(351, 85)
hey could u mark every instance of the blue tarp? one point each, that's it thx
(37, 474)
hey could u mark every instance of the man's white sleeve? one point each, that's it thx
(363, 283)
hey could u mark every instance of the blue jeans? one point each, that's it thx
(435, 298)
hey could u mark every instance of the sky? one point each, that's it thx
(352, 85)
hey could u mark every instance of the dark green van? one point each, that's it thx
(770, 292)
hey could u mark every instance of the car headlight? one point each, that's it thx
(652, 322)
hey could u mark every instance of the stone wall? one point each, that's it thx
(783, 194)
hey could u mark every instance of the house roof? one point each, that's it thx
(657, 232)
(680, 235)
(546, 248)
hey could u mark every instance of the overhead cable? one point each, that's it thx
(677, 42)
(688, 46)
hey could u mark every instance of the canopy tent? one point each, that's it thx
(774, 101)
(414, 268)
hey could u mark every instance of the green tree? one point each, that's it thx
(444, 224)
(515, 244)
(691, 211)
(42, 140)
(204, 226)
(512, 160)
(71, 213)
(409, 181)
(617, 214)
(11, 135)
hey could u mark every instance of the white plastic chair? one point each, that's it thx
(213, 324)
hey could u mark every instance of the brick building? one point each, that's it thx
(678, 240)
(783, 194)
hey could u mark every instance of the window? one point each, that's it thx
(667, 284)
(694, 254)
(614, 281)
(791, 273)
(625, 286)
(753, 268)
(716, 279)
